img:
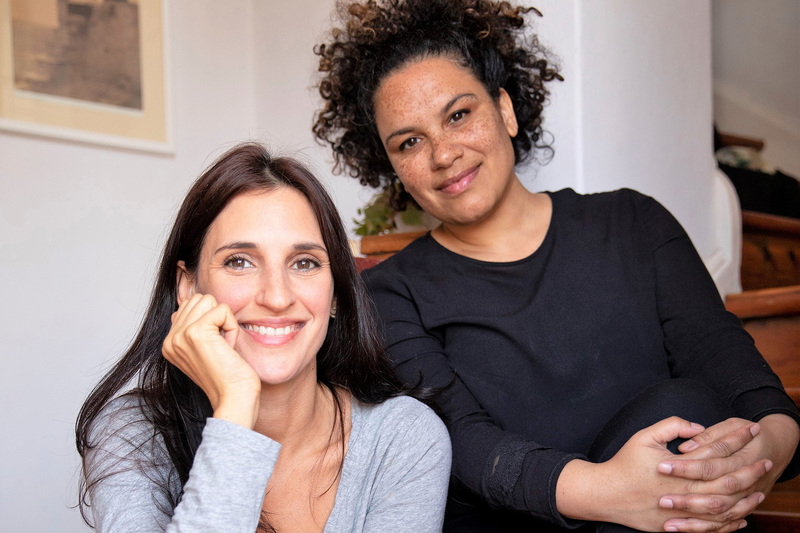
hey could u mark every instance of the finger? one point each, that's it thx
(185, 307)
(715, 507)
(220, 321)
(186, 326)
(670, 429)
(698, 525)
(229, 326)
(199, 307)
(721, 440)
(720, 470)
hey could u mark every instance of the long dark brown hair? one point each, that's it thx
(351, 357)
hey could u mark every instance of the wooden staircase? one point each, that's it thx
(769, 307)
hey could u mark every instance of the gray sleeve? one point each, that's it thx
(225, 490)
(411, 490)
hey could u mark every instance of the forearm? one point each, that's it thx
(227, 481)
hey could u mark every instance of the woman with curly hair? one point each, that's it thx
(591, 375)
(263, 399)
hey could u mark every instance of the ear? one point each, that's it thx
(184, 282)
(506, 107)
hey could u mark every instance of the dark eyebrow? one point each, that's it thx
(308, 246)
(244, 245)
(239, 245)
(444, 111)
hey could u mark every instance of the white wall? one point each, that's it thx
(80, 231)
(285, 73)
(635, 110)
(757, 75)
(82, 225)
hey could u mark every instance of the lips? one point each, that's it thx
(459, 182)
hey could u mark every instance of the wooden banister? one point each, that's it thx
(765, 302)
(389, 244)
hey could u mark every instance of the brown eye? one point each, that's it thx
(238, 263)
(409, 143)
(306, 264)
(459, 115)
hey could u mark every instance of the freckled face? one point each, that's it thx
(264, 256)
(448, 140)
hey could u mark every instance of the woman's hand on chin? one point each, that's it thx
(200, 343)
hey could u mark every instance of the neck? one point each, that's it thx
(512, 231)
(299, 416)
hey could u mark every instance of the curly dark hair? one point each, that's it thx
(378, 36)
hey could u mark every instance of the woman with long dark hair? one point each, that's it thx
(574, 329)
(273, 405)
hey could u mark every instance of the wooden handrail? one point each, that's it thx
(389, 243)
(727, 139)
(752, 220)
(765, 302)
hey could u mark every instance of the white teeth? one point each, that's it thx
(269, 331)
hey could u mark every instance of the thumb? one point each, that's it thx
(672, 428)
(229, 327)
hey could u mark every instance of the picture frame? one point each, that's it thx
(86, 70)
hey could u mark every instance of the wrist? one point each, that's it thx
(580, 491)
(782, 435)
(241, 409)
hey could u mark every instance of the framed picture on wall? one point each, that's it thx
(85, 70)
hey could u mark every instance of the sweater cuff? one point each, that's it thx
(551, 461)
(524, 476)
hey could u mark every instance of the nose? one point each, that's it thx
(444, 151)
(275, 291)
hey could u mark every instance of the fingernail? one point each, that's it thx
(689, 445)
(697, 426)
(768, 465)
(664, 468)
(743, 525)
(761, 498)
(670, 528)
(755, 429)
(666, 503)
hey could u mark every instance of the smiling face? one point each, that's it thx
(265, 258)
(448, 140)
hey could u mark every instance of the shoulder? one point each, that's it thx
(121, 439)
(614, 211)
(406, 260)
(619, 201)
(404, 420)
(122, 420)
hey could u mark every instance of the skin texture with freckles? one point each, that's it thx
(449, 142)
(461, 132)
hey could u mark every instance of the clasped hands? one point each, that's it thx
(722, 474)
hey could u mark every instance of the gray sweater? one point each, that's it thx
(394, 477)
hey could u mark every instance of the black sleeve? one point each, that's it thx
(508, 471)
(703, 340)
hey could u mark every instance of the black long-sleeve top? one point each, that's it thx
(537, 354)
